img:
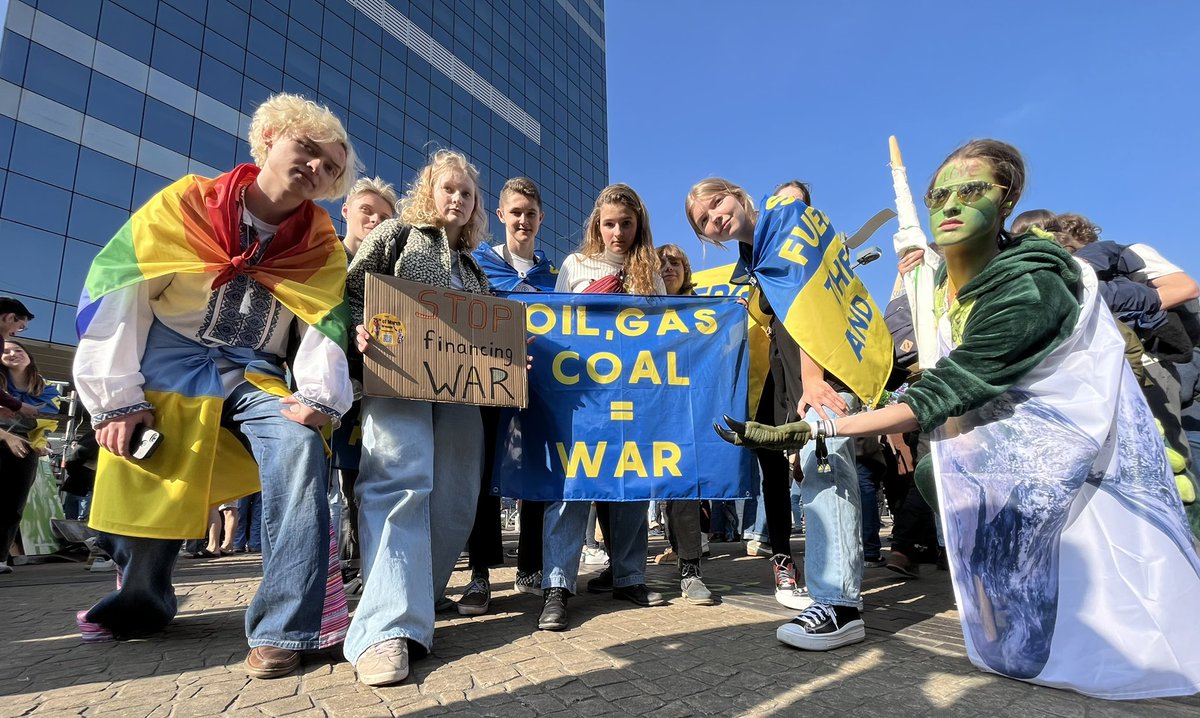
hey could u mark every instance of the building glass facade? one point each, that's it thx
(105, 102)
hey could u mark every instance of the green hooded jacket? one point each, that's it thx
(1010, 316)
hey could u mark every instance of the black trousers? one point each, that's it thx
(16, 478)
(486, 544)
(914, 532)
(683, 528)
(776, 478)
(529, 543)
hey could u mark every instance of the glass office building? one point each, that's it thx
(104, 102)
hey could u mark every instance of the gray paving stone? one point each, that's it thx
(615, 660)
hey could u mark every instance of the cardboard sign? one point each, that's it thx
(444, 345)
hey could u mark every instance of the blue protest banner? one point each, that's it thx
(622, 397)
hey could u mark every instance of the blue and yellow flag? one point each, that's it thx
(804, 269)
(720, 282)
(623, 394)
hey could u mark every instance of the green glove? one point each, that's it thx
(753, 435)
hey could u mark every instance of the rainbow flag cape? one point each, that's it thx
(192, 228)
(804, 268)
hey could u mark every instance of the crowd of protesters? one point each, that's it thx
(246, 334)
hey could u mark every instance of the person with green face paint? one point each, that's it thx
(1072, 561)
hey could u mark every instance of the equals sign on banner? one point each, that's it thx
(621, 411)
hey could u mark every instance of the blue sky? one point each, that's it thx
(1103, 99)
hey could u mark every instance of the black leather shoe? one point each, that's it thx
(639, 594)
(554, 610)
(602, 583)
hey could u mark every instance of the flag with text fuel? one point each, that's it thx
(804, 268)
(623, 394)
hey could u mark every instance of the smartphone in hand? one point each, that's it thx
(143, 442)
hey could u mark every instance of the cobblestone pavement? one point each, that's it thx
(615, 660)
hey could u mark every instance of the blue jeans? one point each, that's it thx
(286, 610)
(563, 535)
(870, 512)
(724, 522)
(250, 522)
(754, 519)
(797, 509)
(417, 489)
(833, 555)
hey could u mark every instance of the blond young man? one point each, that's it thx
(185, 321)
(369, 202)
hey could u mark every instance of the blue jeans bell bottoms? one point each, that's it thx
(563, 538)
(833, 552)
(417, 490)
(287, 608)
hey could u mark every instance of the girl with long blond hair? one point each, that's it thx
(419, 476)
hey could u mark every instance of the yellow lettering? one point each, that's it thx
(673, 378)
(706, 321)
(631, 460)
(671, 323)
(779, 200)
(566, 328)
(631, 323)
(613, 372)
(557, 368)
(644, 368)
(666, 457)
(579, 455)
(793, 251)
(581, 328)
(819, 222)
(532, 314)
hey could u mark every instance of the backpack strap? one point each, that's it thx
(396, 246)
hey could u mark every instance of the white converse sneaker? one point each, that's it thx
(787, 592)
(822, 627)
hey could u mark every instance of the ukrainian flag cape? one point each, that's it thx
(503, 278)
(723, 281)
(804, 269)
(36, 429)
(193, 228)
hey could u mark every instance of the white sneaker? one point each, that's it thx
(384, 663)
(796, 599)
(787, 592)
(595, 556)
(758, 548)
(103, 564)
(822, 627)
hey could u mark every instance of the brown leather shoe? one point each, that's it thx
(271, 662)
(902, 565)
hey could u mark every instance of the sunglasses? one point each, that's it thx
(968, 192)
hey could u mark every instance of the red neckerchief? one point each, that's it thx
(223, 203)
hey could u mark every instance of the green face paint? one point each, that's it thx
(954, 222)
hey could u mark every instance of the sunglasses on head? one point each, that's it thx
(967, 192)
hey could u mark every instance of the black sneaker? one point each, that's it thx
(529, 582)
(638, 594)
(602, 583)
(554, 610)
(477, 598)
(822, 627)
(877, 562)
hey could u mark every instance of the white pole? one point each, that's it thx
(918, 283)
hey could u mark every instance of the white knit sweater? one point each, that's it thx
(578, 271)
